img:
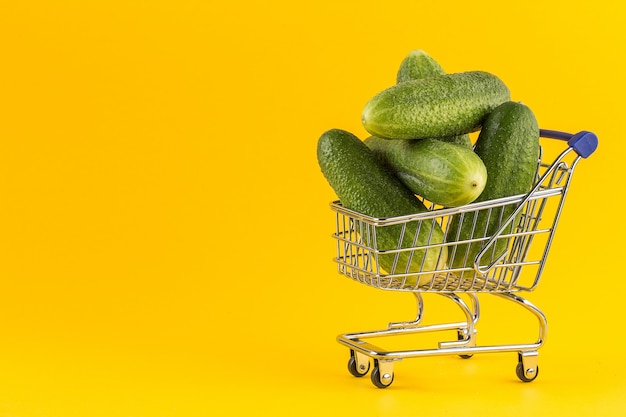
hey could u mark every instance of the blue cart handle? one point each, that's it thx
(584, 143)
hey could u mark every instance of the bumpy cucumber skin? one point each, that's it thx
(417, 65)
(365, 185)
(463, 140)
(444, 173)
(508, 144)
(510, 138)
(445, 105)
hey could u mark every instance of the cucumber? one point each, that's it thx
(365, 185)
(417, 65)
(444, 105)
(443, 173)
(463, 140)
(508, 144)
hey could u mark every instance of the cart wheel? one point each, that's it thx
(528, 376)
(461, 336)
(382, 379)
(358, 370)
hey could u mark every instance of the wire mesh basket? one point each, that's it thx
(503, 247)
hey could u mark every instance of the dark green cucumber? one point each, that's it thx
(365, 185)
(417, 65)
(443, 173)
(444, 105)
(508, 144)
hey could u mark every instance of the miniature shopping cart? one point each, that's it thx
(509, 260)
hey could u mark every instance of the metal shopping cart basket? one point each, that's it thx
(509, 261)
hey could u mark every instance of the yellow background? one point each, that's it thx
(165, 233)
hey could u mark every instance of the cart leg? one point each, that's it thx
(527, 364)
(466, 335)
(541, 318)
(418, 317)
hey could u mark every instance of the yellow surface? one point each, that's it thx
(165, 233)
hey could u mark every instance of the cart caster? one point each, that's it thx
(527, 369)
(358, 364)
(382, 374)
(462, 335)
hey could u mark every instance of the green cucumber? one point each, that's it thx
(445, 105)
(417, 65)
(363, 184)
(443, 173)
(508, 144)
(463, 140)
